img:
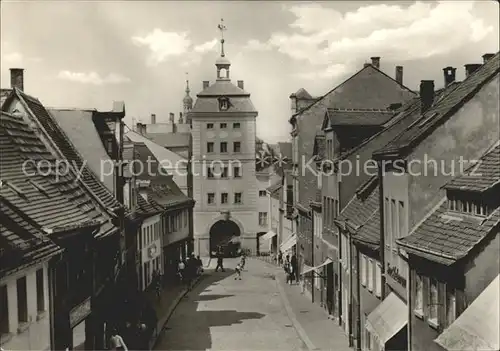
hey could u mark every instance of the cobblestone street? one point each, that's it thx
(226, 314)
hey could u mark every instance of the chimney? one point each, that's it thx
(206, 83)
(138, 128)
(426, 94)
(17, 78)
(366, 64)
(471, 68)
(171, 117)
(399, 74)
(449, 75)
(375, 62)
(240, 84)
(487, 57)
(153, 118)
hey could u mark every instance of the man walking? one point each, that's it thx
(293, 263)
(220, 261)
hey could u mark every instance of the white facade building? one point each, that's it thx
(150, 250)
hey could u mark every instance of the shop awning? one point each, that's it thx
(477, 328)
(289, 243)
(387, 319)
(270, 234)
(310, 269)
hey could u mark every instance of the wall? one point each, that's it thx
(36, 336)
(181, 232)
(263, 182)
(151, 248)
(477, 121)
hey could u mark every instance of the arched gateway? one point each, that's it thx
(225, 234)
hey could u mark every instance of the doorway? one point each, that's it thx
(225, 235)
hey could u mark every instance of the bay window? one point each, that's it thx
(433, 302)
(363, 270)
(419, 295)
(370, 275)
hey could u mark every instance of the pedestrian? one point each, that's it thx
(238, 270)
(243, 261)
(220, 261)
(280, 258)
(199, 265)
(287, 268)
(293, 263)
(180, 270)
(116, 341)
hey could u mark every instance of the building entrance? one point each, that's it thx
(225, 236)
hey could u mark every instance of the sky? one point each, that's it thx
(88, 54)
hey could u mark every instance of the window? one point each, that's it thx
(262, 218)
(223, 198)
(369, 342)
(109, 146)
(362, 270)
(22, 301)
(223, 146)
(237, 172)
(451, 305)
(223, 125)
(236, 125)
(211, 198)
(237, 198)
(370, 275)
(402, 220)
(433, 302)
(237, 146)
(387, 221)
(4, 310)
(262, 193)
(210, 172)
(395, 228)
(224, 172)
(210, 147)
(210, 126)
(223, 104)
(40, 292)
(378, 280)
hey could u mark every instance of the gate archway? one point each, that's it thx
(225, 234)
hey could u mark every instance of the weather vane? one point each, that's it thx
(222, 28)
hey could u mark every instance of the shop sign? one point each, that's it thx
(79, 313)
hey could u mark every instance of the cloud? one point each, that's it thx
(164, 45)
(334, 71)
(325, 37)
(255, 45)
(92, 78)
(16, 58)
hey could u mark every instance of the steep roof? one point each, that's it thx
(367, 88)
(78, 125)
(481, 176)
(302, 94)
(22, 241)
(208, 99)
(446, 236)
(53, 198)
(222, 87)
(171, 139)
(358, 117)
(160, 152)
(63, 143)
(443, 109)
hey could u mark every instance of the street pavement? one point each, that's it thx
(222, 313)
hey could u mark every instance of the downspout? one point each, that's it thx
(358, 298)
(382, 226)
(312, 262)
(351, 303)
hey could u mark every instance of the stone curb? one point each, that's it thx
(289, 311)
(168, 314)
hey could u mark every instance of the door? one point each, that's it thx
(329, 288)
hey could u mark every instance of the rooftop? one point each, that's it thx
(357, 117)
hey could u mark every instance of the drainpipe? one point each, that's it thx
(382, 216)
(351, 304)
(358, 298)
(312, 262)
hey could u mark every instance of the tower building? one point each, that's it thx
(223, 131)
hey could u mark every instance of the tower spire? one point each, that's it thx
(222, 29)
(187, 84)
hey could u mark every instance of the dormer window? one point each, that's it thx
(223, 104)
(466, 204)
